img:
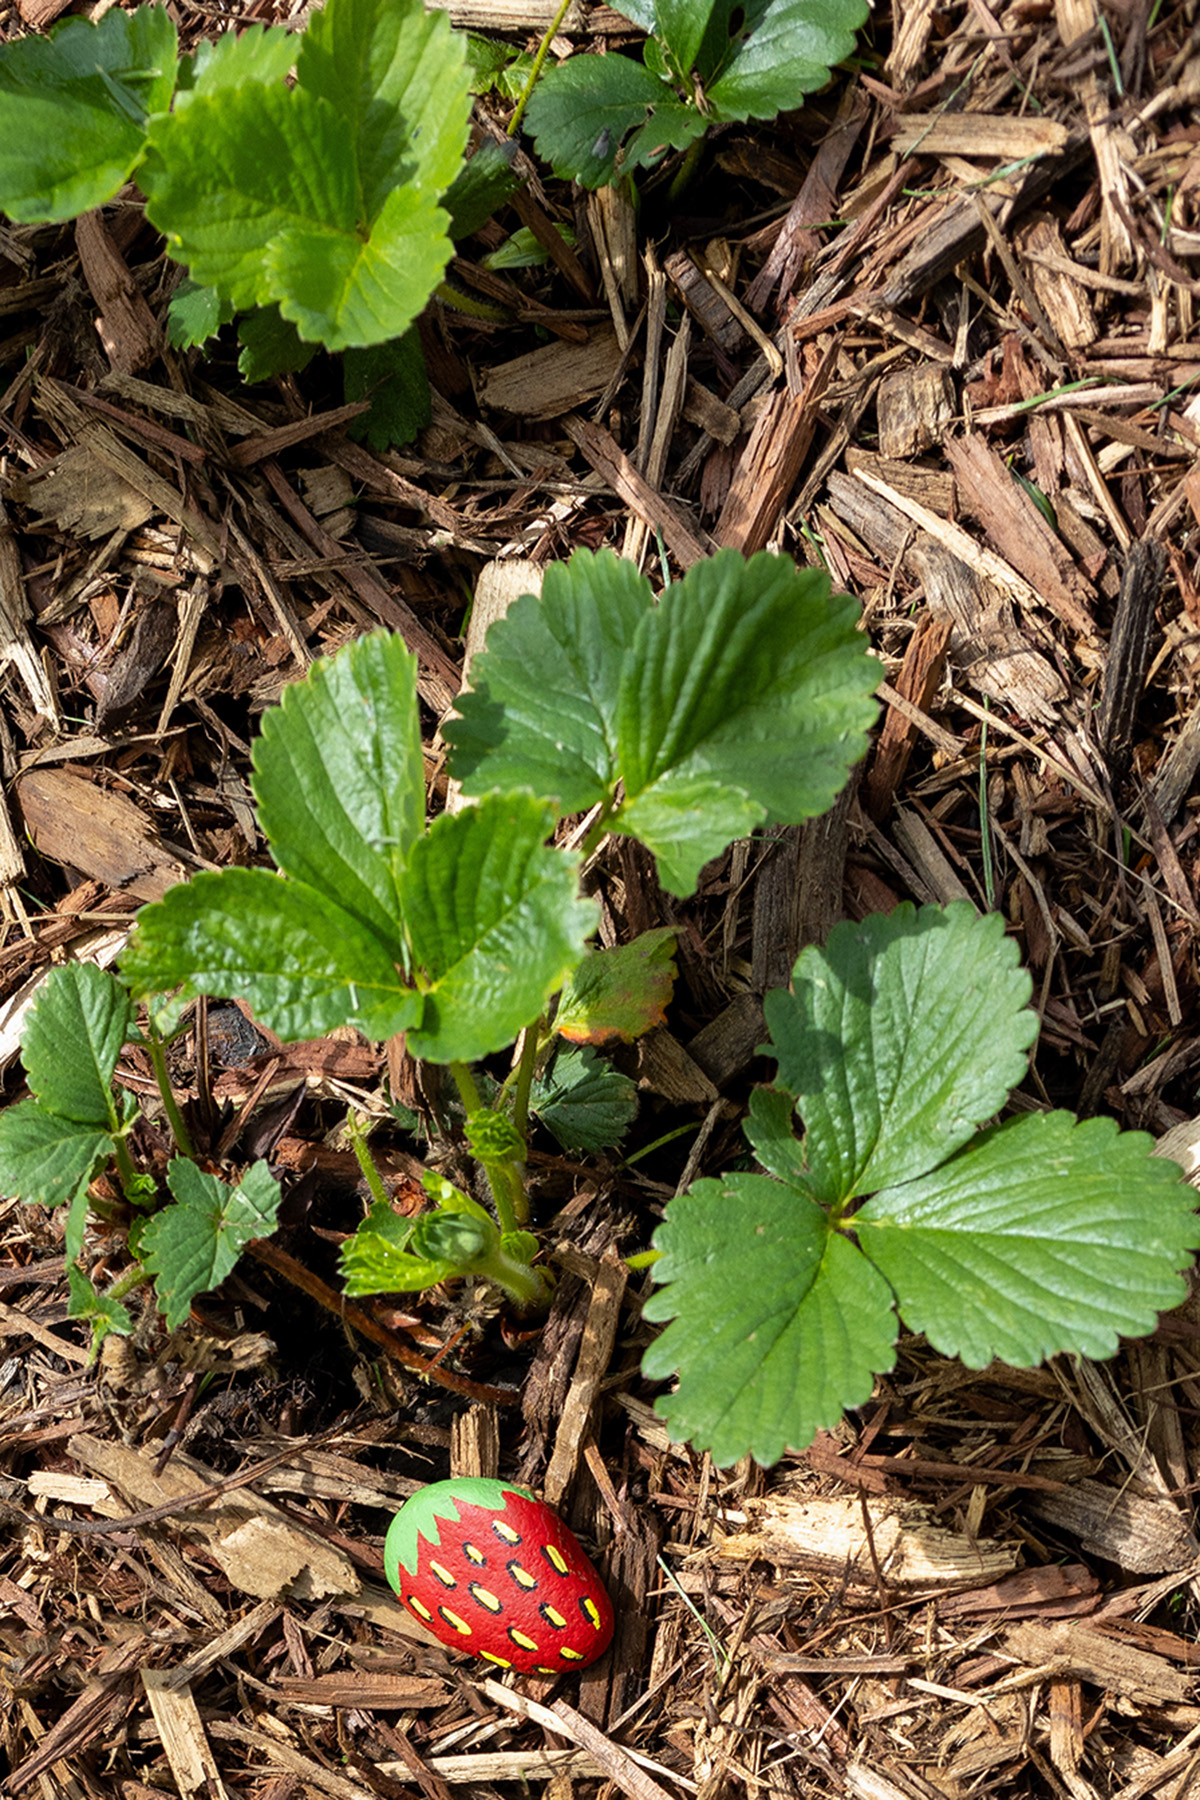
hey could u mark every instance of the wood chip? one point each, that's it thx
(74, 822)
(827, 1537)
(258, 1549)
(182, 1737)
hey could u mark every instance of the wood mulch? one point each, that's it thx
(935, 330)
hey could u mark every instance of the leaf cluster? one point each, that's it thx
(896, 1044)
(298, 177)
(53, 1145)
(705, 62)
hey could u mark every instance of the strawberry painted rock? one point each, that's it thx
(490, 1570)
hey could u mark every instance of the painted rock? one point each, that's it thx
(490, 1570)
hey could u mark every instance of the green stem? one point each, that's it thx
(528, 1287)
(371, 1175)
(508, 1191)
(543, 51)
(525, 1069)
(125, 1169)
(687, 168)
(179, 1130)
(468, 1093)
(503, 1177)
(135, 1276)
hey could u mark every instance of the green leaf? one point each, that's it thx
(481, 185)
(785, 49)
(778, 1325)
(899, 1040)
(584, 1101)
(195, 314)
(554, 734)
(620, 993)
(192, 1246)
(770, 1131)
(686, 822)
(71, 1042)
(376, 1259)
(681, 25)
(748, 676)
(750, 673)
(454, 1239)
(743, 696)
(393, 377)
(257, 53)
(397, 77)
(340, 780)
(494, 925)
(303, 965)
(321, 198)
(47, 1158)
(271, 345)
(106, 1316)
(494, 64)
(73, 109)
(582, 111)
(1043, 1234)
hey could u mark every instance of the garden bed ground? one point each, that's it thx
(937, 329)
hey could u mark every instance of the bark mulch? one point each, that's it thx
(935, 331)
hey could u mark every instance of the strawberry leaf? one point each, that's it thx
(192, 1246)
(319, 198)
(493, 922)
(620, 993)
(301, 963)
(1043, 1234)
(742, 697)
(71, 1042)
(758, 1288)
(899, 1040)
(73, 110)
(584, 1101)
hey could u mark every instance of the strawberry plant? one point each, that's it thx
(741, 696)
(705, 62)
(311, 207)
(1041, 1234)
(53, 1145)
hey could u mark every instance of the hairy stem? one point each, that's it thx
(158, 1059)
(543, 51)
(371, 1175)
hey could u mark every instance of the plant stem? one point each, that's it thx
(687, 168)
(125, 1169)
(525, 1068)
(135, 1276)
(527, 1286)
(468, 1093)
(543, 51)
(503, 1177)
(179, 1130)
(371, 1175)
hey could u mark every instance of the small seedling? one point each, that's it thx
(706, 62)
(55, 1144)
(1042, 1234)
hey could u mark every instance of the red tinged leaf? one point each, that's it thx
(490, 1570)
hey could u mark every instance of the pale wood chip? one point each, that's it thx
(259, 1550)
(182, 1737)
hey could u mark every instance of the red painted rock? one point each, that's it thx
(490, 1570)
